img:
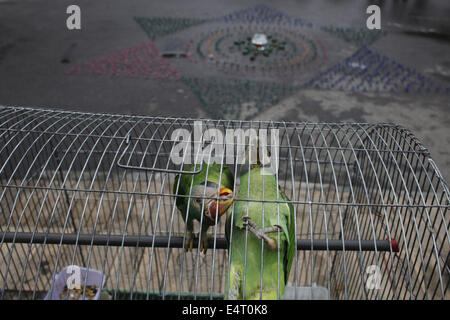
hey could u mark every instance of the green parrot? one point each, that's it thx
(205, 195)
(278, 236)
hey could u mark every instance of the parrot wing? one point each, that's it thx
(290, 236)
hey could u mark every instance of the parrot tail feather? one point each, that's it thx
(235, 282)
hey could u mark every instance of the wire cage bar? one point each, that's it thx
(96, 191)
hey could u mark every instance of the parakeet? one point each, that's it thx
(203, 189)
(277, 233)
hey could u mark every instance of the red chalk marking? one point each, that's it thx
(140, 60)
(324, 49)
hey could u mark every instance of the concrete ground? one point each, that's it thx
(37, 52)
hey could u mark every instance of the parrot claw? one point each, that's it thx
(261, 233)
(275, 228)
(189, 242)
(204, 243)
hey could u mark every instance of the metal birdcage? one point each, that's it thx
(96, 191)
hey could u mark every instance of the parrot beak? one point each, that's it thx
(226, 198)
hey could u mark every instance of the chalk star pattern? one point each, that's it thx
(237, 99)
(229, 85)
(156, 27)
(369, 71)
(360, 37)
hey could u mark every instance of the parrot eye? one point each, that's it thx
(198, 200)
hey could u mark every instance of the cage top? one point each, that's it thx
(312, 140)
(121, 126)
(6, 112)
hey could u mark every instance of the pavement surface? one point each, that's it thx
(43, 64)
